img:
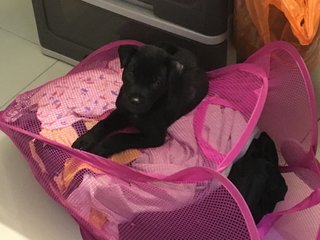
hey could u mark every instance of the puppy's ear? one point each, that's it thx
(125, 54)
(178, 67)
(175, 69)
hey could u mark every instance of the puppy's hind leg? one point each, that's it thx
(115, 121)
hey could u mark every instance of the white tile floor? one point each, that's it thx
(26, 212)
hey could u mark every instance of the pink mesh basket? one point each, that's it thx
(179, 190)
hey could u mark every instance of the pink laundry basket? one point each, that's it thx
(271, 91)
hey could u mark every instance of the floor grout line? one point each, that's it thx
(25, 87)
(17, 35)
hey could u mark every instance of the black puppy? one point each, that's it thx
(160, 84)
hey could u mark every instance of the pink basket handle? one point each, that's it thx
(268, 220)
(198, 125)
(85, 234)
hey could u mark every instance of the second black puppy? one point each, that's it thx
(160, 84)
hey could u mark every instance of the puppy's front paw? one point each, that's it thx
(85, 142)
(103, 151)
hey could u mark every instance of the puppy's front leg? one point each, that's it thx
(115, 121)
(122, 141)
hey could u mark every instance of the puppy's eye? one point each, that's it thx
(131, 74)
(156, 83)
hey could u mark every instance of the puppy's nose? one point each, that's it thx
(136, 100)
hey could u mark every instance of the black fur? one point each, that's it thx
(160, 84)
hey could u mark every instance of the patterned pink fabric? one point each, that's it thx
(84, 95)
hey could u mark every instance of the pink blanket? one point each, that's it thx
(79, 96)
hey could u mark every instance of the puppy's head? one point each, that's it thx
(148, 74)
